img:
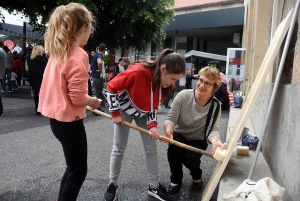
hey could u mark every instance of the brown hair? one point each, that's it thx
(175, 64)
(64, 23)
(213, 74)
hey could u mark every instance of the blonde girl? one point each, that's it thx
(64, 90)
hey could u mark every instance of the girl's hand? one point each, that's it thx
(118, 120)
(154, 133)
(96, 105)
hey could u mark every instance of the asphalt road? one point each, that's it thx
(32, 161)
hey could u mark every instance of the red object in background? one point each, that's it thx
(236, 61)
(111, 57)
(9, 44)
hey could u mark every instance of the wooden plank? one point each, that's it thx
(249, 103)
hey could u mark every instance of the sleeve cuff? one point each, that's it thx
(152, 124)
(115, 114)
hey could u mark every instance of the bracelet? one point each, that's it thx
(216, 140)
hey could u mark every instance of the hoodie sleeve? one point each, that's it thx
(123, 81)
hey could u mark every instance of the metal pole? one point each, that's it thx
(176, 41)
(24, 46)
(273, 96)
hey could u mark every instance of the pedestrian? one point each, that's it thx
(7, 71)
(166, 103)
(120, 67)
(2, 62)
(98, 71)
(64, 91)
(38, 62)
(17, 64)
(2, 72)
(193, 120)
(189, 78)
(13, 79)
(136, 94)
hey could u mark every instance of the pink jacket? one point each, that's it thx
(64, 90)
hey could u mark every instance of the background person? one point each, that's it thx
(64, 91)
(120, 67)
(136, 94)
(189, 78)
(98, 71)
(17, 64)
(7, 71)
(38, 62)
(193, 120)
(2, 71)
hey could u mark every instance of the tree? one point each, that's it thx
(125, 24)
(131, 24)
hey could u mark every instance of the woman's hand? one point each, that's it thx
(168, 134)
(96, 105)
(216, 143)
(118, 120)
(154, 134)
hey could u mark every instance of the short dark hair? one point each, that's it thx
(101, 47)
(1, 43)
(121, 59)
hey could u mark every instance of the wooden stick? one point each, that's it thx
(162, 138)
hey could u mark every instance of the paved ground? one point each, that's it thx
(32, 161)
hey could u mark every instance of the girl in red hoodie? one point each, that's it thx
(136, 94)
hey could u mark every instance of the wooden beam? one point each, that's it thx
(249, 104)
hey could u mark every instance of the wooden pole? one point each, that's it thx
(162, 138)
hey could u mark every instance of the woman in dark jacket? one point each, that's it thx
(189, 78)
(38, 63)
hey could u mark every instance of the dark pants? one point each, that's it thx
(178, 156)
(98, 83)
(7, 76)
(90, 91)
(1, 105)
(166, 103)
(19, 78)
(73, 139)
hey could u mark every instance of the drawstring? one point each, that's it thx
(159, 102)
(151, 98)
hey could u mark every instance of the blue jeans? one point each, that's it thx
(7, 75)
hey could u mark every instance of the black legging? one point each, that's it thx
(73, 139)
(178, 156)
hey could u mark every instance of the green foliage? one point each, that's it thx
(105, 59)
(125, 24)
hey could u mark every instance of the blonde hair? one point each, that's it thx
(213, 74)
(64, 23)
(36, 51)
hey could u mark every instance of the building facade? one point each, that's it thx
(210, 26)
(280, 145)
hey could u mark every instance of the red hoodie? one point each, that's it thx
(130, 91)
